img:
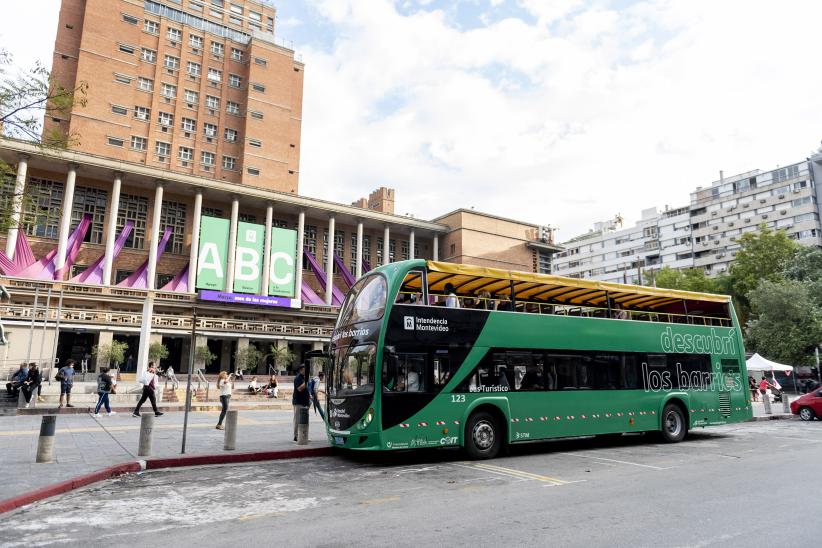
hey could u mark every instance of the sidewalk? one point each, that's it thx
(84, 444)
(777, 410)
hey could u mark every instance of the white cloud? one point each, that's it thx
(589, 112)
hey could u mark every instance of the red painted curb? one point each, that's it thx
(68, 485)
(157, 464)
(233, 458)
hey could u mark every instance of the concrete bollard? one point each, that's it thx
(45, 443)
(766, 400)
(786, 403)
(302, 425)
(230, 440)
(146, 433)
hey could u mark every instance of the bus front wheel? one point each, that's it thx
(674, 426)
(483, 436)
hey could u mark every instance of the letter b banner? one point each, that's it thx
(248, 260)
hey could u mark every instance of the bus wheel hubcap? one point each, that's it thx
(483, 435)
(672, 423)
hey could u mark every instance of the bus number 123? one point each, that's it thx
(457, 398)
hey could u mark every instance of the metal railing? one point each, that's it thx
(201, 379)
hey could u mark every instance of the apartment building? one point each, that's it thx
(705, 233)
(200, 87)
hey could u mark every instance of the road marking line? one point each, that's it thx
(516, 473)
(248, 517)
(617, 461)
(379, 501)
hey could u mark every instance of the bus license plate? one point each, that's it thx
(339, 440)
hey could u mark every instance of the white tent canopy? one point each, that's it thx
(758, 363)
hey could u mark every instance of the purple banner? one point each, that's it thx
(245, 298)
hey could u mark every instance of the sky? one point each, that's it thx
(555, 112)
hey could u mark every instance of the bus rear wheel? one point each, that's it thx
(674, 426)
(483, 436)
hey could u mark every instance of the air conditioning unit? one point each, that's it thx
(746, 205)
(195, 50)
(748, 220)
(796, 190)
(173, 43)
(170, 71)
(184, 163)
(781, 196)
(731, 223)
(192, 77)
(713, 213)
(716, 228)
(784, 211)
(161, 158)
(705, 242)
(167, 99)
(212, 112)
(206, 168)
(209, 139)
(187, 134)
(190, 105)
(765, 216)
(720, 255)
(164, 128)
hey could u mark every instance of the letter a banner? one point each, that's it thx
(213, 253)
(248, 261)
(283, 261)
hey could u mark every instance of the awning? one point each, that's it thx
(758, 363)
(470, 280)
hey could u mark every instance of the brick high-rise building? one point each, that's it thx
(198, 87)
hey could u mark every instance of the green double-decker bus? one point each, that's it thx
(433, 354)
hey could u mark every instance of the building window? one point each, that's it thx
(145, 84)
(256, 114)
(232, 108)
(191, 96)
(405, 250)
(260, 61)
(165, 119)
(248, 217)
(130, 19)
(366, 249)
(171, 62)
(196, 6)
(213, 212)
(175, 35)
(230, 135)
(215, 13)
(229, 163)
(119, 110)
(162, 149)
(218, 3)
(209, 130)
(152, 27)
(148, 55)
(188, 124)
(193, 68)
(544, 262)
(237, 54)
(212, 102)
(122, 78)
(217, 48)
(41, 216)
(169, 90)
(234, 80)
(133, 208)
(173, 214)
(353, 264)
(252, 171)
(138, 143)
(195, 41)
(380, 246)
(392, 249)
(91, 201)
(207, 158)
(236, 8)
(186, 154)
(115, 141)
(253, 15)
(310, 240)
(258, 87)
(125, 48)
(215, 75)
(142, 113)
(255, 143)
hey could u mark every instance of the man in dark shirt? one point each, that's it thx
(66, 382)
(300, 397)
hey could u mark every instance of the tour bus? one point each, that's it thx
(434, 354)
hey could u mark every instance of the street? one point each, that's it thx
(739, 485)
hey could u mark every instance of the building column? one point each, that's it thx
(359, 250)
(65, 221)
(111, 229)
(266, 274)
(155, 235)
(193, 252)
(145, 334)
(199, 340)
(436, 247)
(329, 262)
(298, 281)
(104, 339)
(17, 205)
(232, 244)
(386, 246)
(411, 245)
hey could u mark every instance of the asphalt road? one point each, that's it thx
(748, 485)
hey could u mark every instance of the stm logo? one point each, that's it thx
(409, 323)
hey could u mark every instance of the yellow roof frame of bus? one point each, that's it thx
(469, 279)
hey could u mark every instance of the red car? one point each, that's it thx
(808, 406)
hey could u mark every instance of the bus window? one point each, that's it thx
(411, 289)
(404, 371)
(353, 370)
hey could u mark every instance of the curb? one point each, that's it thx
(156, 464)
(781, 416)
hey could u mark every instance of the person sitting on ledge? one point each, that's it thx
(253, 387)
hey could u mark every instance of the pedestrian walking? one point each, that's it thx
(66, 377)
(149, 382)
(224, 386)
(32, 383)
(104, 385)
(317, 390)
(300, 399)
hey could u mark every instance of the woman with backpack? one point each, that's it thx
(104, 384)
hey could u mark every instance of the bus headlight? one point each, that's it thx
(366, 420)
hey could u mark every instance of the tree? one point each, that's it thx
(106, 354)
(786, 324)
(202, 355)
(282, 356)
(157, 351)
(248, 358)
(687, 279)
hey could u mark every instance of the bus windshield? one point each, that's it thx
(365, 301)
(353, 370)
